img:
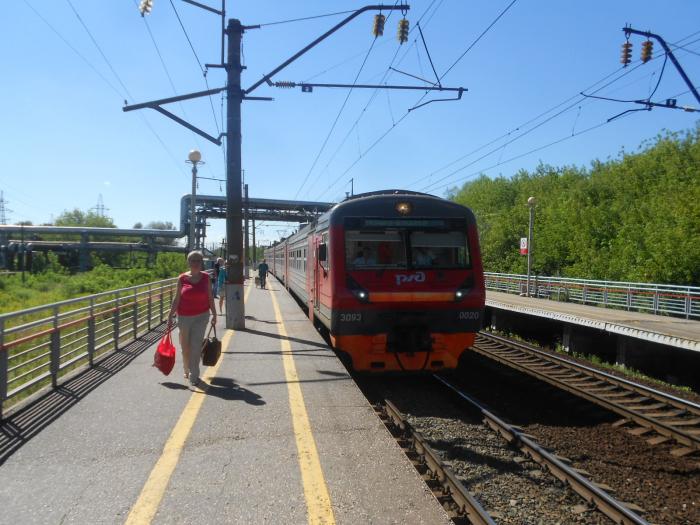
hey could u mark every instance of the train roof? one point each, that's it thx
(384, 204)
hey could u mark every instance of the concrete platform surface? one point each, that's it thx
(672, 331)
(239, 460)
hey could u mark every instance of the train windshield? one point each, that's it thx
(406, 248)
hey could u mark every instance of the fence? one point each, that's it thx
(655, 298)
(41, 345)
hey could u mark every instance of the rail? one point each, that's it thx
(42, 346)
(660, 299)
(672, 418)
(619, 512)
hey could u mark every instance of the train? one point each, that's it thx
(394, 277)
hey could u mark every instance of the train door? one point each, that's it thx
(311, 275)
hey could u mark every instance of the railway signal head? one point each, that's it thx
(647, 50)
(626, 55)
(403, 31)
(378, 29)
(145, 7)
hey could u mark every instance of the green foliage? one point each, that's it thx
(634, 218)
(78, 217)
(55, 284)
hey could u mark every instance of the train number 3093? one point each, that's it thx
(351, 318)
(468, 315)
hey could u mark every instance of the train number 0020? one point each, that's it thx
(468, 315)
(351, 318)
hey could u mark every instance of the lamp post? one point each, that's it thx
(195, 157)
(531, 204)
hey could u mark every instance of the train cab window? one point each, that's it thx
(375, 249)
(439, 250)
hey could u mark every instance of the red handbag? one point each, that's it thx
(164, 358)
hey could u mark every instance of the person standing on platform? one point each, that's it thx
(193, 302)
(263, 268)
(221, 284)
(217, 269)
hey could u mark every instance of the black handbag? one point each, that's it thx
(211, 349)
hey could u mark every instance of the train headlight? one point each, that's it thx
(459, 295)
(360, 293)
(404, 208)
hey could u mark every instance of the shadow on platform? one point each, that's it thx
(295, 339)
(29, 420)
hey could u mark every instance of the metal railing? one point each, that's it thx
(661, 299)
(40, 346)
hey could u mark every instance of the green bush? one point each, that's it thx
(54, 284)
(634, 218)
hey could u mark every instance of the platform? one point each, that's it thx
(281, 434)
(670, 331)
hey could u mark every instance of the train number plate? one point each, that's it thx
(351, 317)
(468, 315)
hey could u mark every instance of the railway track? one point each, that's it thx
(593, 493)
(449, 491)
(466, 501)
(645, 410)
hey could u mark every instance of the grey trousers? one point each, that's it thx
(192, 329)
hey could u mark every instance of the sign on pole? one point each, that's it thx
(523, 245)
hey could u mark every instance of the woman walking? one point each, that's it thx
(193, 302)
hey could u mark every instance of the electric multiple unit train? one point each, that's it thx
(394, 276)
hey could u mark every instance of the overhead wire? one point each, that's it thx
(403, 117)
(355, 124)
(574, 104)
(201, 67)
(539, 148)
(172, 83)
(337, 117)
(385, 75)
(305, 18)
(122, 96)
(104, 57)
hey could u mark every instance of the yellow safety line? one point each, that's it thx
(318, 502)
(152, 493)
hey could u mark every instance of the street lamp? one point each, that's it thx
(531, 204)
(195, 157)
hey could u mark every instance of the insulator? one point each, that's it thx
(378, 29)
(285, 84)
(626, 55)
(647, 51)
(145, 7)
(403, 31)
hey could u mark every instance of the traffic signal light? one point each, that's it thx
(647, 51)
(626, 56)
(378, 29)
(145, 7)
(403, 31)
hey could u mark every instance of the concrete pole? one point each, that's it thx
(235, 308)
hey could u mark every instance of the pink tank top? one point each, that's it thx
(194, 298)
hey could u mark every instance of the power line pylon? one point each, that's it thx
(4, 210)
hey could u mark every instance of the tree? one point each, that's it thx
(78, 217)
(160, 225)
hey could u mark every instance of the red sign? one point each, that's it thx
(523, 245)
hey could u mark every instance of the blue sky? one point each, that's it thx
(65, 140)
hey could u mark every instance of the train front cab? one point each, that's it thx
(408, 291)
